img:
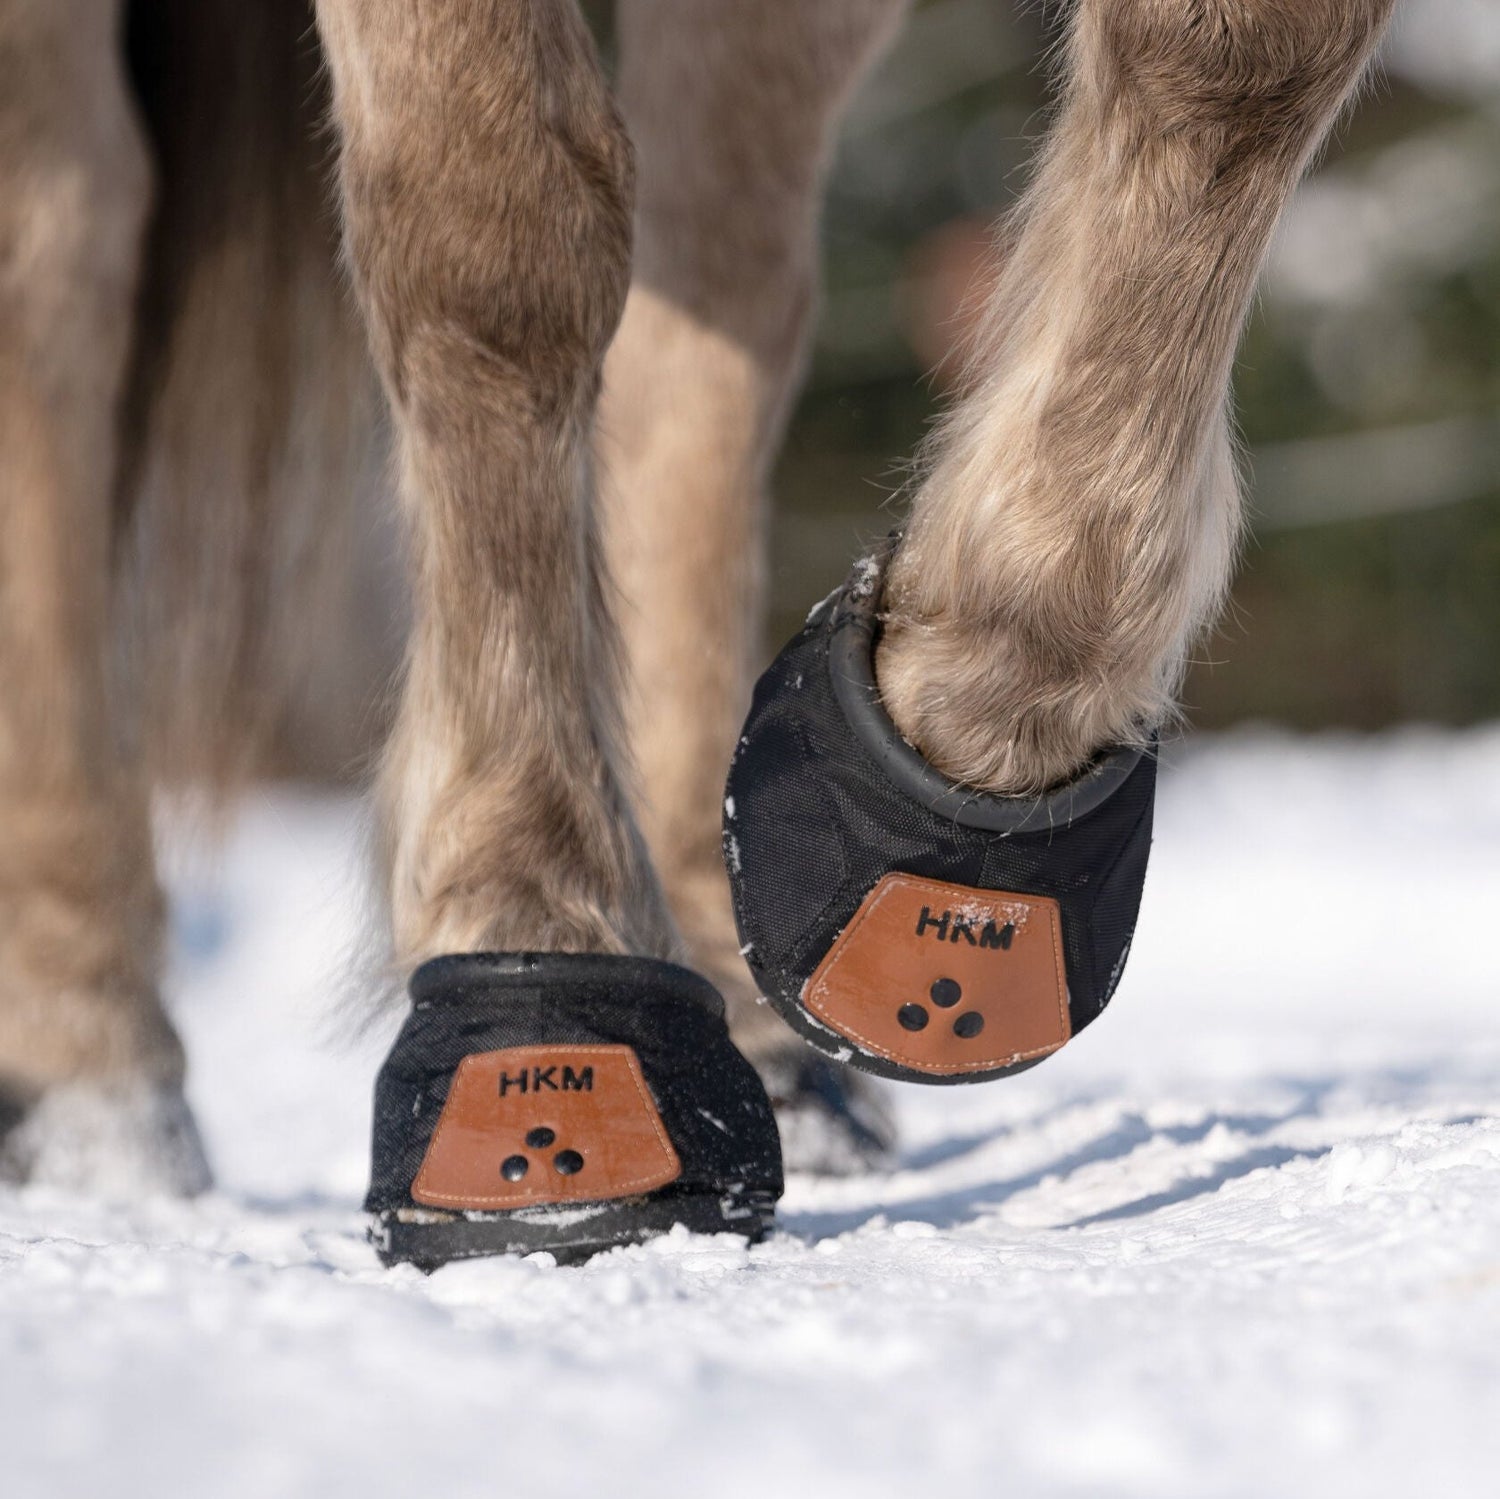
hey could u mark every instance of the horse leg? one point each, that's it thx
(90, 1069)
(486, 190)
(732, 111)
(969, 814)
(550, 1058)
(1079, 511)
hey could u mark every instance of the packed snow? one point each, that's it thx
(1241, 1238)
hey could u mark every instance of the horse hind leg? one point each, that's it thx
(90, 1069)
(732, 111)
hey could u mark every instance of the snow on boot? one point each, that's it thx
(565, 1102)
(918, 929)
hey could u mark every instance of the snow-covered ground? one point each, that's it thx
(1242, 1238)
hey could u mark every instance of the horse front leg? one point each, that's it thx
(486, 187)
(552, 1058)
(1079, 512)
(955, 754)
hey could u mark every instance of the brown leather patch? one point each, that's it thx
(944, 979)
(542, 1124)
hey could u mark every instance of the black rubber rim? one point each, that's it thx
(443, 1238)
(459, 977)
(854, 629)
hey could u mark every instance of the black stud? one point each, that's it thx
(567, 1162)
(514, 1167)
(968, 1025)
(541, 1137)
(946, 993)
(912, 1017)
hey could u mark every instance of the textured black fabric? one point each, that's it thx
(815, 817)
(709, 1097)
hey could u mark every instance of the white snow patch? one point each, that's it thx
(977, 911)
(558, 1217)
(822, 604)
(864, 578)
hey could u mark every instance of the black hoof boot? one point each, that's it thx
(896, 920)
(564, 1102)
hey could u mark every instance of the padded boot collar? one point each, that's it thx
(853, 620)
(593, 977)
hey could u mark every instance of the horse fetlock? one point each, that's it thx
(506, 864)
(54, 1034)
(481, 908)
(79, 942)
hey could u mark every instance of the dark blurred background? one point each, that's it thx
(1368, 387)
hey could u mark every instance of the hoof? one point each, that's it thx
(568, 1103)
(833, 1121)
(116, 1140)
(897, 921)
